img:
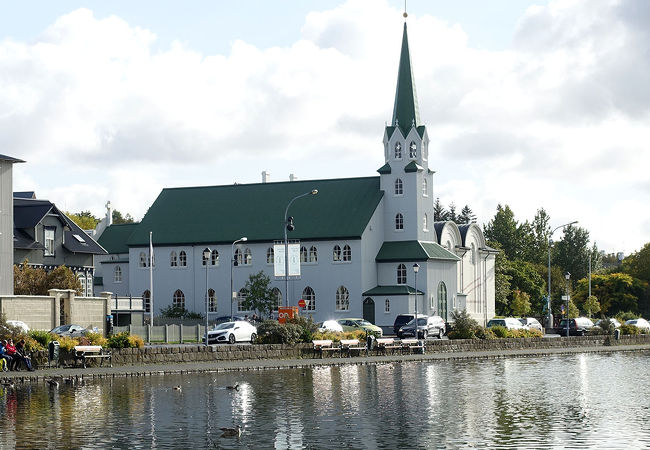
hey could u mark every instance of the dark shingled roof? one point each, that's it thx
(222, 214)
(413, 251)
(115, 237)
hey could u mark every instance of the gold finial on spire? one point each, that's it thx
(405, 13)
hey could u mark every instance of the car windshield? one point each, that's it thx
(363, 323)
(421, 321)
(224, 326)
(61, 328)
(523, 321)
(500, 322)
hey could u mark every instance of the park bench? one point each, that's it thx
(84, 352)
(324, 345)
(412, 345)
(384, 344)
(350, 345)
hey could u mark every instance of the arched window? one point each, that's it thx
(425, 222)
(241, 297)
(117, 274)
(238, 257)
(146, 300)
(204, 260)
(448, 245)
(401, 274)
(442, 300)
(347, 253)
(399, 222)
(179, 299)
(399, 187)
(413, 150)
(424, 187)
(173, 259)
(212, 300)
(336, 253)
(215, 257)
(248, 257)
(277, 295)
(309, 297)
(270, 255)
(143, 259)
(82, 280)
(398, 150)
(313, 254)
(342, 299)
(303, 254)
(182, 259)
(387, 305)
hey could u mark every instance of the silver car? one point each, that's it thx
(531, 323)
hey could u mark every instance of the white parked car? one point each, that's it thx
(531, 323)
(613, 321)
(231, 332)
(508, 322)
(330, 325)
(640, 323)
(19, 324)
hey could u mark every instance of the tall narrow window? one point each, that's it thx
(442, 300)
(49, 241)
(117, 274)
(238, 257)
(399, 222)
(212, 300)
(425, 222)
(424, 187)
(347, 253)
(241, 297)
(413, 150)
(270, 255)
(215, 257)
(387, 305)
(342, 299)
(82, 280)
(143, 259)
(313, 254)
(336, 253)
(146, 300)
(248, 257)
(204, 260)
(399, 187)
(303, 254)
(398, 150)
(179, 299)
(401, 274)
(173, 259)
(309, 296)
(277, 295)
(182, 259)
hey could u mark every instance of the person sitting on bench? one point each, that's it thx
(21, 354)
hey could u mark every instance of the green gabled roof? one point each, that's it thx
(222, 214)
(413, 167)
(405, 111)
(385, 169)
(395, 251)
(115, 237)
(400, 289)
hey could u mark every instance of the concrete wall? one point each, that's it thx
(6, 229)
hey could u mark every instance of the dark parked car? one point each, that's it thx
(577, 327)
(427, 326)
(401, 320)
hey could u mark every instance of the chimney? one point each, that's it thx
(266, 177)
(109, 214)
(292, 177)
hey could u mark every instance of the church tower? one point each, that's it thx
(405, 177)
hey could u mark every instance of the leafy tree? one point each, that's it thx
(525, 278)
(175, 311)
(84, 219)
(440, 214)
(536, 248)
(572, 252)
(638, 263)
(63, 278)
(520, 304)
(503, 229)
(28, 280)
(466, 215)
(119, 219)
(591, 305)
(259, 295)
(573, 310)
(502, 280)
(616, 292)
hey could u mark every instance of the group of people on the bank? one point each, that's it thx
(14, 357)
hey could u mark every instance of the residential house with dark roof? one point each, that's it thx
(359, 239)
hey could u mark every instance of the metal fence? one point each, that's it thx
(169, 334)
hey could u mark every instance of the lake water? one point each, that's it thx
(583, 400)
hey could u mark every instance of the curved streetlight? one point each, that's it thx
(549, 315)
(232, 263)
(288, 226)
(206, 257)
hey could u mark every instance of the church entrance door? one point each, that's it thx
(369, 310)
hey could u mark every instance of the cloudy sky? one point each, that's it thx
(527, 103)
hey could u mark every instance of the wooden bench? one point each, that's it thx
(412, 345)
(349, 345)
(324, 345)
(84, 352)
(384, 344)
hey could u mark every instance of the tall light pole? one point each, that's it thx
(549, 312)
(206, 257)
(232, 263)
(286, 227)
(568, 300)
(416, 269)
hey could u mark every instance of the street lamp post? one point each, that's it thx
(416, 269)
(232, 263)
(206, 257)
(567, 276)
(288, 225)
(549, 312)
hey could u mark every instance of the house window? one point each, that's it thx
(309, 297)
(401, 274)
(277, 295)
(241, 297)
(387, 305)
(204, 260)
(424, 187)
(49, 241)
(212, 300)
(342, 299)
(399, 222)
(215, 257)
(117, 274)
(313, 254)
(82, 279)
(89, 285)
(182, 259)
(179, 299)
(303, 255)
(143, 259)
(270, 255)
(248, 257)
(398, 150)
(347, 253)
(399, 187)
(238, 257)
(336, 254)
(146, 300)
(425, 222)
(413, 150)
(173, 259)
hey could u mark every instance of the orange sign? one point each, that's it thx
(287, 312)
(302, 303)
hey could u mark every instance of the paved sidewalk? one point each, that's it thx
(265, 364)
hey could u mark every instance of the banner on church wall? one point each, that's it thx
(279, 262)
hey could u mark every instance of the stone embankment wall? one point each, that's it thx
(164, 354)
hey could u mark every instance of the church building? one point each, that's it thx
(369, 246)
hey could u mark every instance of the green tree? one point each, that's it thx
(526, 279)
(28, 280)
(466, 215)
(638, 263)
(259, 295)
(573, 310)
(572, 252)
(84, 219)
(503, 229)
(502, 280)
(591, 305)
(119, 219)
(452, 213)
(63, 278)
(536, 249)
(520, 304)
(440, 214)
(616, 292)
